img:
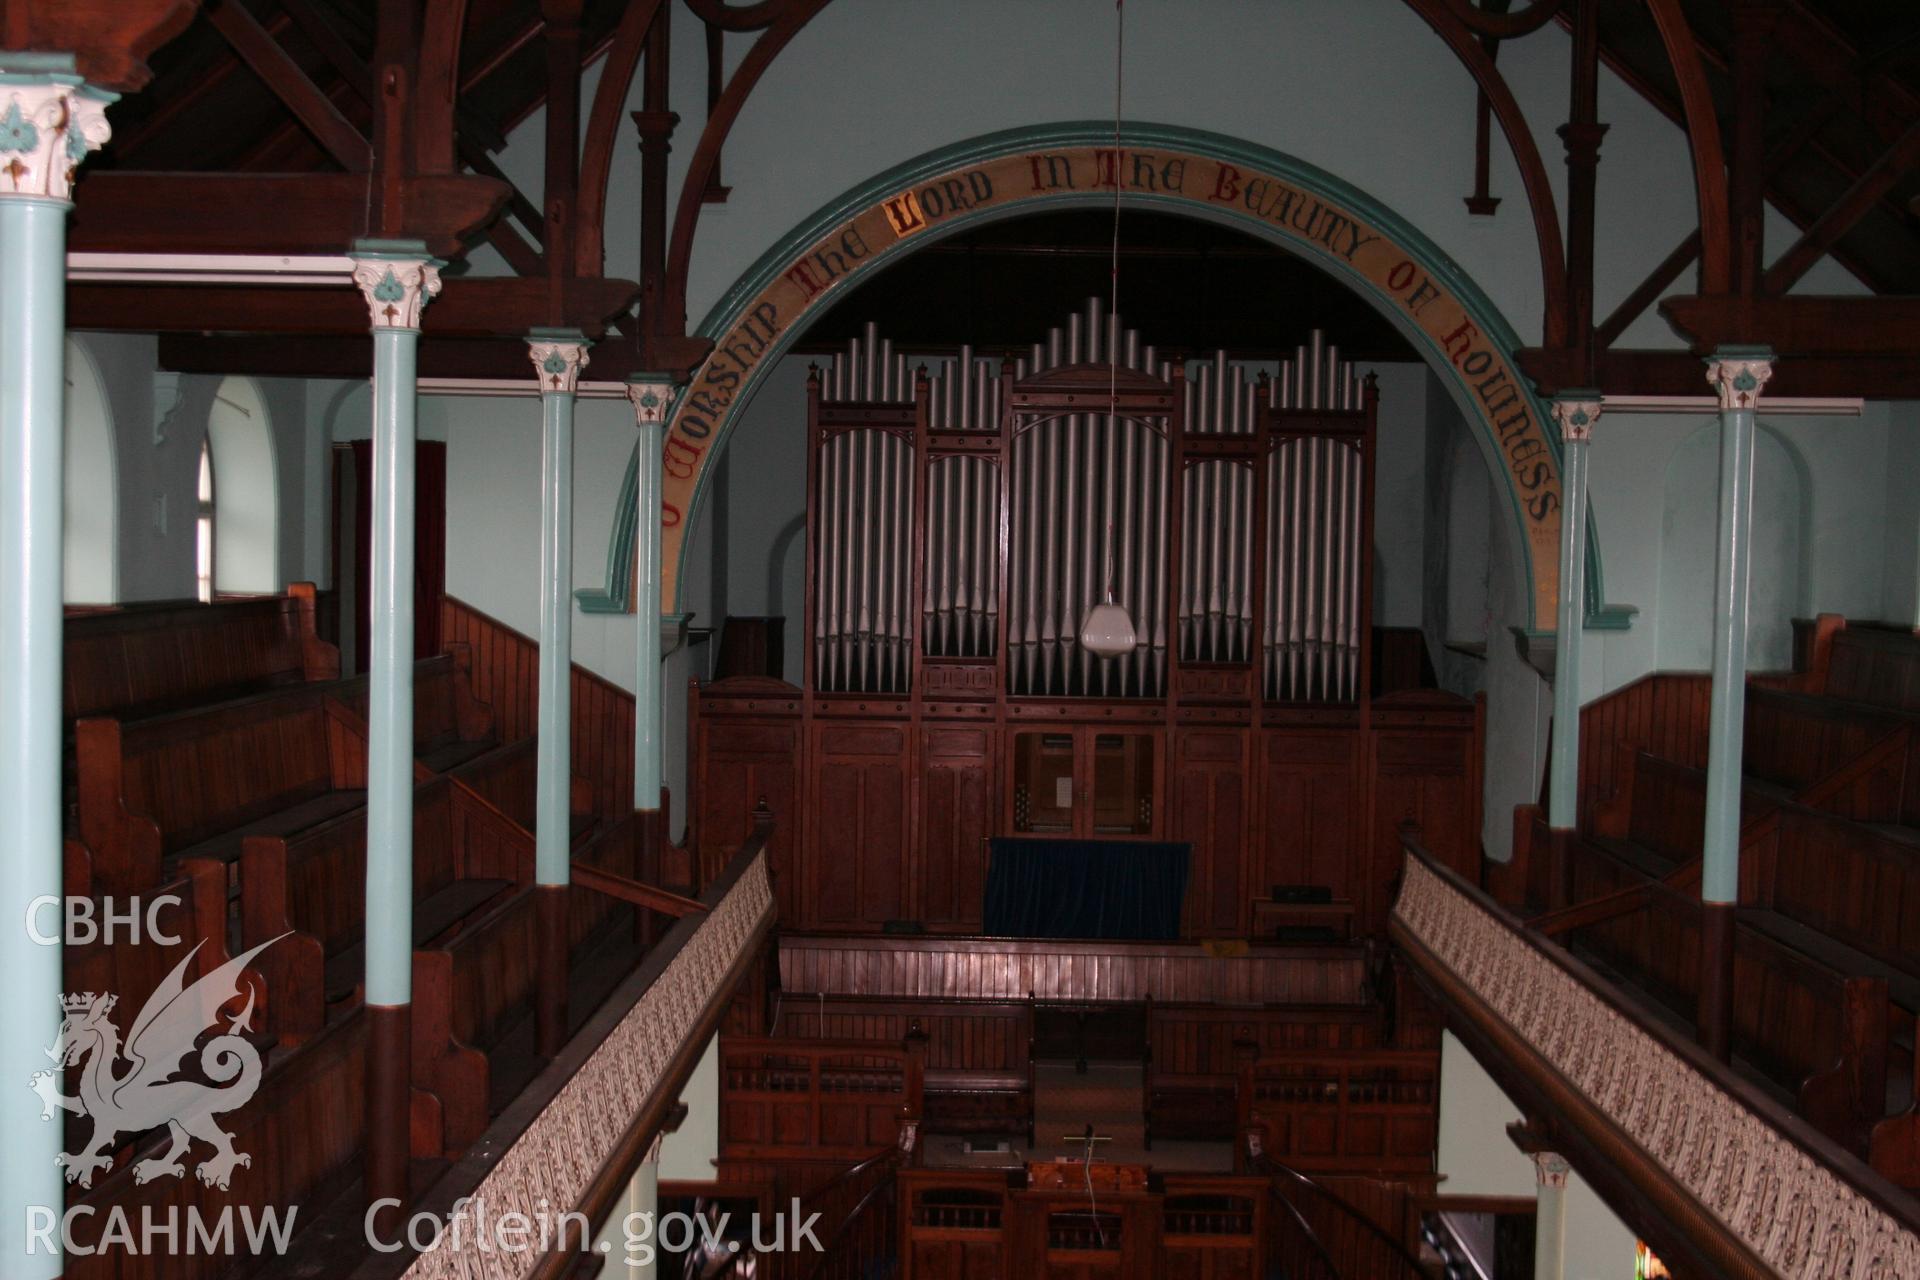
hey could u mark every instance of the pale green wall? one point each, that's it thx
(1478, 1159)
(688, 1153)
(1655, 491)
(157, 463)
(1900, 577)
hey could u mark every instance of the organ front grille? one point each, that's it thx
(966, 516)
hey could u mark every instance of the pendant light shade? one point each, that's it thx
(1107, 630)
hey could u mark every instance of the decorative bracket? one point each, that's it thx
(1738, 373)
(50, 121)
(397, 278)
(558, 356)
(652, 398)
(1576, 412)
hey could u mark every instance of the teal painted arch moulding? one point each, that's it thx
(1493, 325)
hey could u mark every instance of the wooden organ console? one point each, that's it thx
(960, 523)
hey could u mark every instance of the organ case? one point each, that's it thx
(962, 520)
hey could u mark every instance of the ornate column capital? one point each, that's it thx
(397, 278)
(1576, 412)
(652, 397)
(50, 120)
(558, 356)
(1738, 374)
(1551, 1169)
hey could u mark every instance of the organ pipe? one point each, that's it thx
(1064, 503)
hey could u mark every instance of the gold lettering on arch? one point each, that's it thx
(1320, 226)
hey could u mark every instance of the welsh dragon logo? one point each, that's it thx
(132, 1088)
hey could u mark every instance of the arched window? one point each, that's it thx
(239, 493)
(90, 560)
(203, 525)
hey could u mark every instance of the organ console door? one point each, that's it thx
(1086, 783)
(962, 518)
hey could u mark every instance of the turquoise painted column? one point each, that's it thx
(558, 355)
(652, 395)
(49, 120)
(1550, 1215)
(1576, 412)
(1737, 373)
(397, 278)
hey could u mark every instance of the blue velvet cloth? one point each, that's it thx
(1123, 889)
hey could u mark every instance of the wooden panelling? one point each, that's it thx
(1002, 969)
(117, 661)
(860, 807)
(303, 1129)
(1215, 1227)
(1664, 714)
(900, 796)
(1427, 778)
(1816, 1032)
(1859, 885)
(956, 817)
(1211, 806)
(952, 1224)
(813, 1099)
(1310, 787)
(742, 762)
(1374, 1111)
(1794, 739)
(506, 665)
(1877, 665)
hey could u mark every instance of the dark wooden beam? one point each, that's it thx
(561, 185)
(1582, 134)
(290, 83)
(351, 356)
(1818, 240)
(1639, 372)
(640, 895)
(1746, 156)
(130, 212)
(1801, 326)
(466, 308)
(109, 41)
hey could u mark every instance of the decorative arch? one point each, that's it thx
(90, 542)
(1310, 212)
(246, 490)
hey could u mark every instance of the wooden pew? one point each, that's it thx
(474, 991)
(450, 725)
(1876, 665)
(1370, 1111)
(1195, 1055)
(313, 885)
(815, 1099)
(976, 1078)
(1817, 1032)
(952, 1223)
(195, 783)
(1795, 739)
(506, 777)
(1216, 1226)
(302, 1129)
(1847, 891)
(139, 660)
